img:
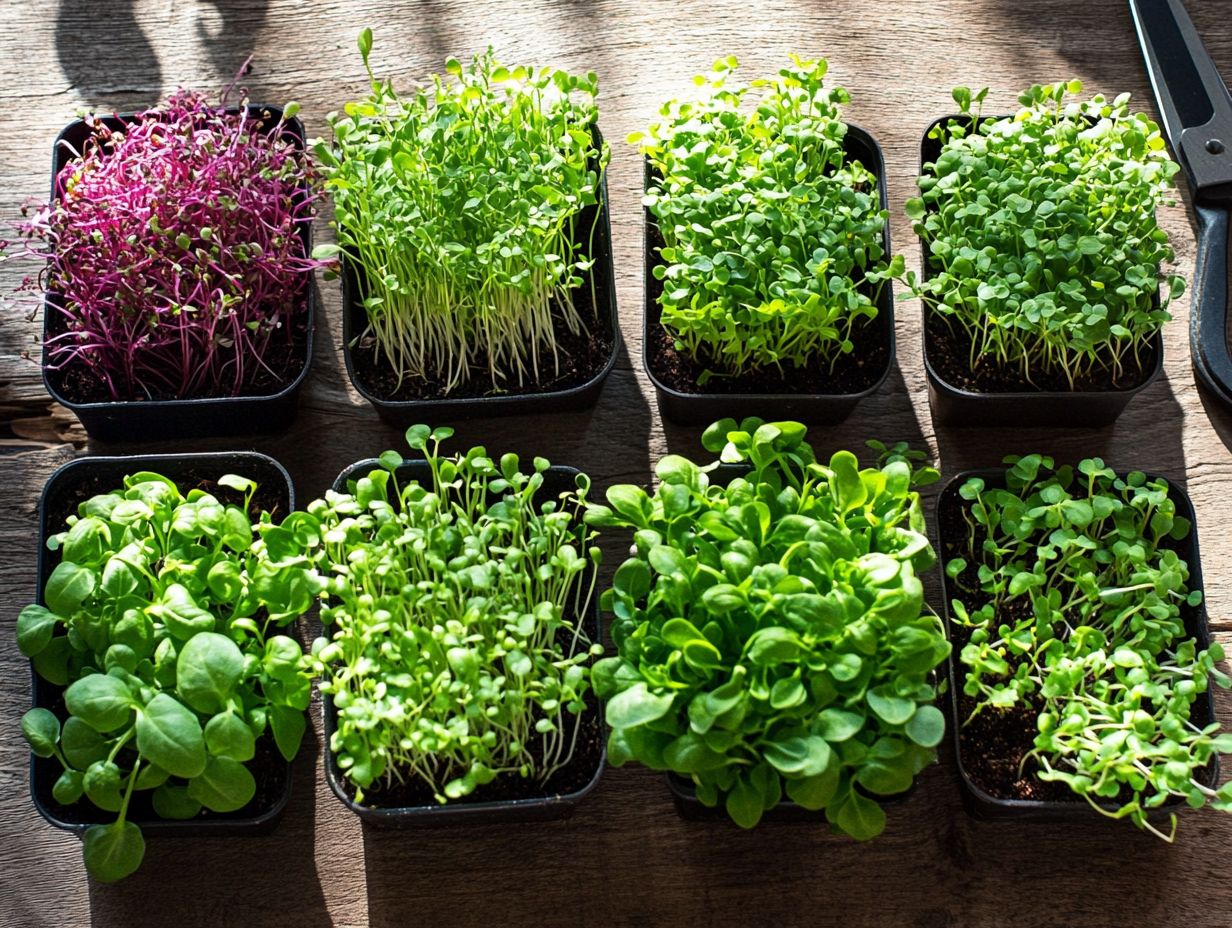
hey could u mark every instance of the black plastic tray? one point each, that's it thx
(74, 481)
(402, 413)
(548, 807)
(699, 408)
(147, 420)
(982, 805)
(952, 405)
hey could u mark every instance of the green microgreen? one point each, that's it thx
(454, 606)
(458, 204)
(771, 630)
(1043, 252)
(1074, 598)
(163, 620)
(769, 230)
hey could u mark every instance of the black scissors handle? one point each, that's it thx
(1208, 302)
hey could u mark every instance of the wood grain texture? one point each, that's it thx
(625, 858)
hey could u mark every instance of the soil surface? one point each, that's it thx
(582, 356)
(853, 373)
(948, 351)
(78, 384)
(571, 778)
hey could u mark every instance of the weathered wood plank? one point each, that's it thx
(625, 858)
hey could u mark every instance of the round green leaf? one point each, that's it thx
(102, 784)
(288, 725)
(798, 757)
(41, 729)
(101, 701)
(35, 626)
(112, 852)
(224, 786)
(228, 735)
(744, 804)
(858, 816)
(69, 787)
(636, 706)
(927, 726)
(81, 744)
(890, 707)
(169, 735)
(209, 667)
(173, 802)
(68, 585)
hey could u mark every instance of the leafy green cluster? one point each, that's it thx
(771, 628)
(162, 619)
(768, 229)
(458, 206)
(1040, 231)
(1081, 593)
(457, 651)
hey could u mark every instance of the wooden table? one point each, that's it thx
(625, 858)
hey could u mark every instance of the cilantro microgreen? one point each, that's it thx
(1043, 252)
(163, 621)
(1071, 592)
(768, 227)
(454, 606)
(457, 204)
(771, 630)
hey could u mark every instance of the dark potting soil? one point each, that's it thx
(949, 351)
(268, 767)
(79, 384)
(853, 373)
(573, 777)
(994, 743)
(581, 356)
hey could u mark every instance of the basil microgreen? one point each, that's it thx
(1071, 591)
(771, 630)
(1043, 249)
(163, 621)
(768, 228)
(454, 606)
(457, 204)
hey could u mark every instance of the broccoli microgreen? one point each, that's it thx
(769, 229)
(1072, 593)
(771, 630)
(1042, 248)
(457, 204)
(163, 620)
(454, 607)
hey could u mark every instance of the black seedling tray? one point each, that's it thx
(533, 808)
(953, 405)
(980, 804)
(75, 482)
(701, 407)
(599, 280)
(148, 420)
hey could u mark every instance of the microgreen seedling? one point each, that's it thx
(1073, 596)
(1043, 252)
(175, 254)
(458, 206)
(771, 630)
(454, 607)
(163, 620)
(769, 230)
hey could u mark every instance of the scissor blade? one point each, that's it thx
(1194, 102)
